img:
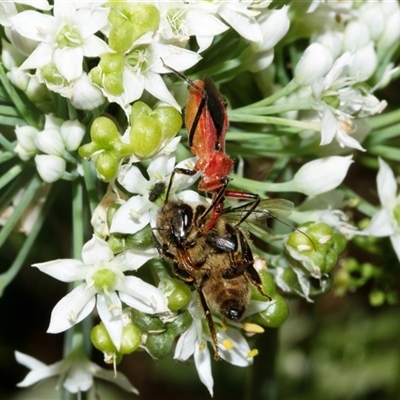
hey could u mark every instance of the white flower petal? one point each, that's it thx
(132, 179)
(329, 126)
(28, 361)
(79, 377)
(186, 344)
(387, 186)
(322, 175)
(34, 25)
(141, 295)
(110, 312)
(50, 168)
(395, 239)
(96, 251)
(381, 225)
(238, 354)
(155, 85)
(41, 373)
(131, 260)
(68, 61)
(202, 359)
(130, 217)
(65, 270)
(72, 308)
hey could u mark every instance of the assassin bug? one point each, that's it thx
(206, 121)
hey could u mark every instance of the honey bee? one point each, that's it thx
(219, 261)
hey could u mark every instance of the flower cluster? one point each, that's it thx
(93, 93)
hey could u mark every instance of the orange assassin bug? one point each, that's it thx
(206, 121)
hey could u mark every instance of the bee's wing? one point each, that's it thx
(267, 208)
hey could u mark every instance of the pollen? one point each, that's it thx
(303, 247)
(72, 316)
(324, 239)
(252, 353)
(134, 213)
(252, 328)
(227, 344)
(202, 346)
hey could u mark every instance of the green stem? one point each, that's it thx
(11, 174)
(25, 202)
(304, 104)
(77, 218)
(256, 119)
(89, 176)
(7, 277)
(23, 110)
(390, 118)
(261, 188)
(290, 87)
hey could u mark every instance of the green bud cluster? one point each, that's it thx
(131, 340)
(160, 337)
(149, 129)
(317, 249)
(141, 240)
(277, 311)
(129, 22)
(177, 292)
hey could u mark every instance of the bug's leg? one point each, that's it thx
(210, 322)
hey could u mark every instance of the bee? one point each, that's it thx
(219, 261)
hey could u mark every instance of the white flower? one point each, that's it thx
(233, 347)
(240, 18)
(104, 276)
(50, 168)
(72, 133)
(386, 222)
(322, 175)
(143, 67)
(274, 25)
(315, 62)
(139, 210)
(84, 95)
(26, 147)
(76, 372)
(181, 20)
(65, 38)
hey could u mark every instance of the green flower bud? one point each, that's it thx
(177, 292)
(117, 242)
(180, 324)
(268, 286)
(104, 133)
(330, 261)
(138, 110)
(159, 345)
(111, 212)
(141, 240)
(107, 165)
(112, 63)
(170, 119)
(129, 22)
(145, 136)
(376, 298)
(51, 75)
(340, 242)
(113, 83)
(146, 322)
(101, 339)
(275, 314)
(131, 339)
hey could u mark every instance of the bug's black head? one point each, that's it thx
(232, 310)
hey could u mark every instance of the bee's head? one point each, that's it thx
(232, 310)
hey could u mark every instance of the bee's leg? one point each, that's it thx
(253, 277)
(210, 323)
